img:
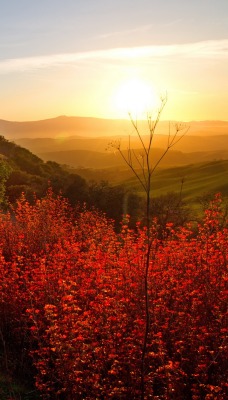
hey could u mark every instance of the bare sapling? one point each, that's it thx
(143, 167)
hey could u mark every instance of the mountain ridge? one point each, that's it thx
(91, 126)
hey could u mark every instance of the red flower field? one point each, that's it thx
(72, 308)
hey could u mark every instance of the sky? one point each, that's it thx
(106, 58)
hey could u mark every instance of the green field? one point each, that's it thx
(198, 179)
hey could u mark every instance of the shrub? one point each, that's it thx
(72, 304)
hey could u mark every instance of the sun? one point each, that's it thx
(134, 96)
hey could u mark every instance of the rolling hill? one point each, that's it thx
(188, 143)
(198, 179)
(31, 174)
(83, 142)
(97, 160)
(200, 157)
(64, 126)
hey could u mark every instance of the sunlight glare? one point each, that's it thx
(136, 97)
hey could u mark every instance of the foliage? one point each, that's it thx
(23, 172)
(114, 201)
(72, 304)
(5, 171)
(169, 208)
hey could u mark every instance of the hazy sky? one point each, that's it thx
(97, 57)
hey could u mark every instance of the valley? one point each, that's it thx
(87, 147)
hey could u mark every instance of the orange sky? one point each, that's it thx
(108, 59)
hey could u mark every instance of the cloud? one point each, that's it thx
(214, 49)
(121, 33)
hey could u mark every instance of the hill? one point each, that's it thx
(84, 181)
(97, 160)
(189, 143)
(29, 174)
(198, 179)
(22, 171)
(83, 142)
(64, 126)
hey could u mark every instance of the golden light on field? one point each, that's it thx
(134, 96)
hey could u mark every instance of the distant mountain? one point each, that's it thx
(64, 126)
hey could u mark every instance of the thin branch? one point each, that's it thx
(135, 126)
(133, 169)
(163, 103)
(170, 144)
(144, 176)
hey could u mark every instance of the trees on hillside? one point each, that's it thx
(22, 172)
(114, 201)
(5, 171)
(169, 209)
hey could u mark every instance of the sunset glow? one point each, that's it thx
(107, 60)
(134, 96)
(113, 199)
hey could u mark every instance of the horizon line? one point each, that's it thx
(112, 119)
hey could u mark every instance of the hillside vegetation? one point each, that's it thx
(97, 306)
(106, 188)
(23, 172)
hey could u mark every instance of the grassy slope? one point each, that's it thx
(198, 179)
